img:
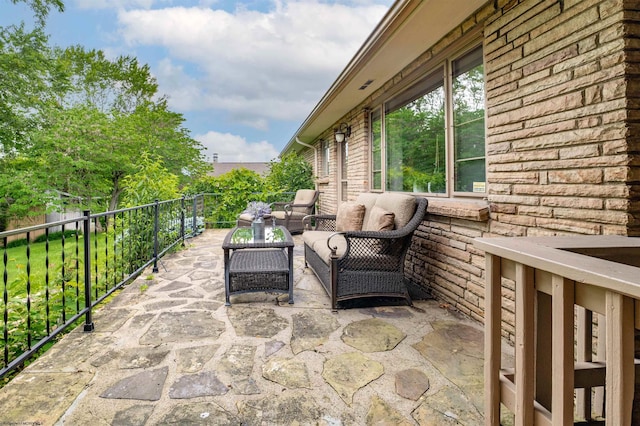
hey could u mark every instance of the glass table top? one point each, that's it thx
(244, 235)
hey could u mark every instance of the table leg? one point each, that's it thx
(226, 278)
(290, 252)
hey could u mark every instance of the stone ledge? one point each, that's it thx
(476, 211)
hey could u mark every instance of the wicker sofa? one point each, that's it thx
(363, 257)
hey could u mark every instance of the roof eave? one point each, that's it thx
(407, 30)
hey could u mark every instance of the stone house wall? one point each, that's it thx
(562, 108)
(557, 120)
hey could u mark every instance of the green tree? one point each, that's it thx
(152, 127)
(88, 153)
(232, 191)
(152, 181)
(113, 86)
(26, 84)
(19, 191)
(289, 174)
(27, 80)
(41, 8)
(104, 117)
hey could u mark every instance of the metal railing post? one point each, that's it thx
(194, 224)
(155, 236)
(88, 321)
(182, 217)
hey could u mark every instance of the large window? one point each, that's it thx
(430, 137)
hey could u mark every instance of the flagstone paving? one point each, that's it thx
(167, 351)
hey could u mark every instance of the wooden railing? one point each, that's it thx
(563, 284)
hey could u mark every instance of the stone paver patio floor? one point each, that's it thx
(167, 351)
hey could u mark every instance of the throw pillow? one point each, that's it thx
(379, 220)
(349, 217)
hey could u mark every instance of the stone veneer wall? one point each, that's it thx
(632, 51)
(557, 119)
(559, 140)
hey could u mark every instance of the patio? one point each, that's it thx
(167, 350)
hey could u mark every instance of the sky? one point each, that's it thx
(244, 74)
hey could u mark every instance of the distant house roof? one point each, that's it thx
(222, 168)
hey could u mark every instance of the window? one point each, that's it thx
(430, 138)
(324, 167)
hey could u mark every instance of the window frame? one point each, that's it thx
(446, 65)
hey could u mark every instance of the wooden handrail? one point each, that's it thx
(559, 287)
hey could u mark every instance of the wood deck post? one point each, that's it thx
(562, 354)
(525, 340)
(620, 381)
(492, 336)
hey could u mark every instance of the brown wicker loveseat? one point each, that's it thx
(363, 257)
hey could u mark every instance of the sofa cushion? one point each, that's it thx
(402, 205)
(279, 214)
(368, 199)
(322, 249)
(282, 215)
(310, 237)
(379, 220)
(349, 216)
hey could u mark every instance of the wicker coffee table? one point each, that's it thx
(258, 265)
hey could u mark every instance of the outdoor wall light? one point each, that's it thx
(342, 132)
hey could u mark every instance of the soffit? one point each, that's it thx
(408, 30)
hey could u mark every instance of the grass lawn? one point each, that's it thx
(24, 262)
(43, 287)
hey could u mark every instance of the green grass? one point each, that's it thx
(16, 266)
(43, 288)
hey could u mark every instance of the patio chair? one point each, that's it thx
(290, 214)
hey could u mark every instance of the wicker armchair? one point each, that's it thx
(290, 214)
(359, 264)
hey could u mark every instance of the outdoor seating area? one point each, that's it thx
(360, 251)
(167, 350)
(468, 254)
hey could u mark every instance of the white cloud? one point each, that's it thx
(233, 148)
(113, 4)
(258, 66)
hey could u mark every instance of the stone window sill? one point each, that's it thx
(477, 211)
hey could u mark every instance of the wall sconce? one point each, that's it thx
(342, 132)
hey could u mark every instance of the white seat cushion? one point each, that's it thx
(322, 249)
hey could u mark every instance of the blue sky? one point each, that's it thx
(244, 74)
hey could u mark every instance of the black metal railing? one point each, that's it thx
(53, 280)
(54, 274)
